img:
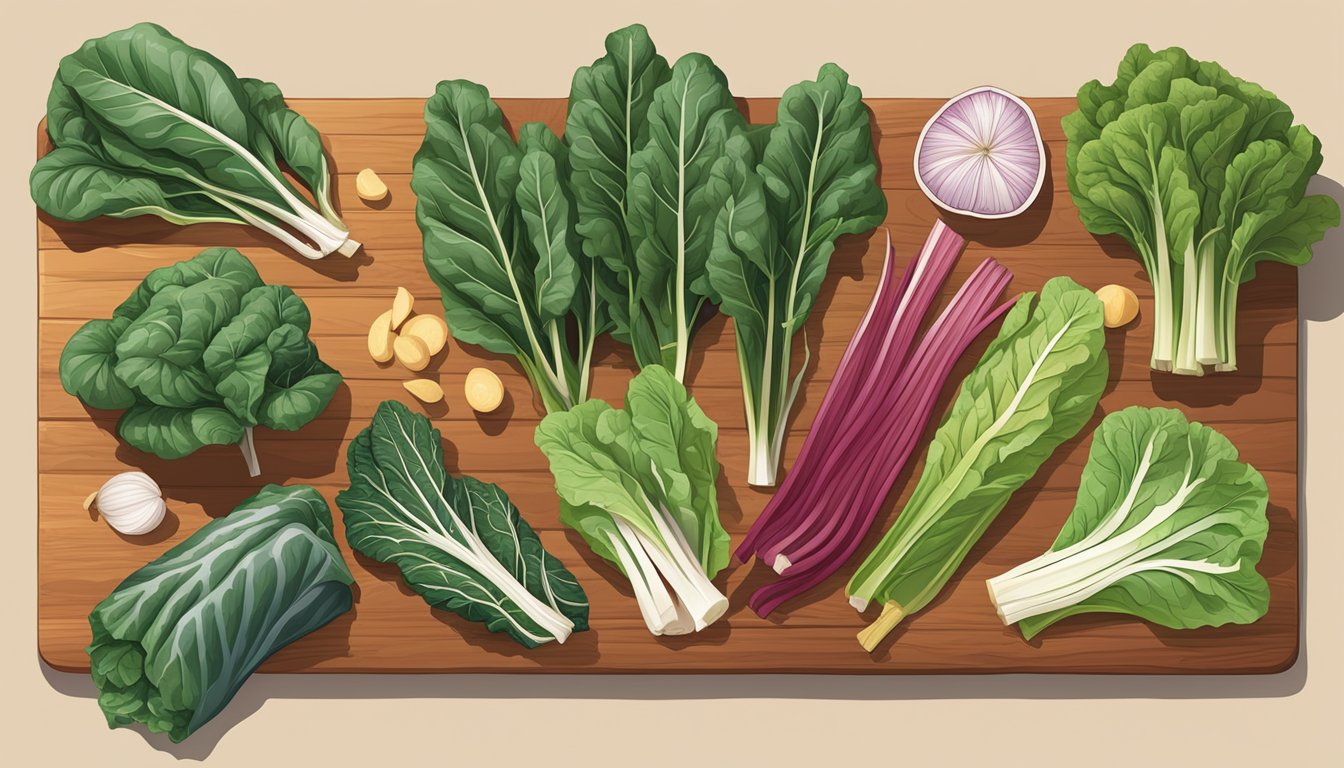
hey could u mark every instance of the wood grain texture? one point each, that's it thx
(87, 269)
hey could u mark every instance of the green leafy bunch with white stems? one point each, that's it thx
(1169, 526)
(498, 221)
(1205, 175)
(790, 190)
(145, 124)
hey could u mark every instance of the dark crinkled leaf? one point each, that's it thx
(171, 433)
(88, 364)
(200, 352)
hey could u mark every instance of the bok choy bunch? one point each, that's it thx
(144, 124)
(639, 485)
(1204, 174)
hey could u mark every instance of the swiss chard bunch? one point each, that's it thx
(146, 125)
(645, 139)
(1204, 174)
(498, 221)
(199, 354)
(789, 191)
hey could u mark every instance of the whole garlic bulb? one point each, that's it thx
(131, 503)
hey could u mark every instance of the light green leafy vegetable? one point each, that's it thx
(1169, 526)
(498, 221)
(176, 640)
(144, 124)
(639, 485)
(1204, 174)
(198, 355)
(1035, 387)
(814, 179)
(458, 541)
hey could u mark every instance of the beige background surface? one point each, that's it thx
(390, 48)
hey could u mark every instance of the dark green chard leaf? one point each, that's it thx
(548, 217)
(83, 186)
(141, 82)
(199, 354)
(497, 222)
(293, 138)
(672, 206)
(789, 194)
(176, 640)
(467, 155)
(145, 124)
(459, 542)
(608, 104)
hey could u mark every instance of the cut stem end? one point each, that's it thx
(892, 613)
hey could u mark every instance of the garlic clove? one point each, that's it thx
(484, 390)
(131, 503)
(369, 187)
(1119, 305)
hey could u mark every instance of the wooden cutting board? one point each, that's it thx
(87, 269)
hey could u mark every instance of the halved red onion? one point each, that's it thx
(981, 155)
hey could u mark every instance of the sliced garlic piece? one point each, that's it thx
(369, 187)
(484, 390)
(430, 329)
(401, 307)
(425, 390)
(411, 352)
(381, 338)
(1119, 305)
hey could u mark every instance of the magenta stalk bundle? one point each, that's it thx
(871, 418)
